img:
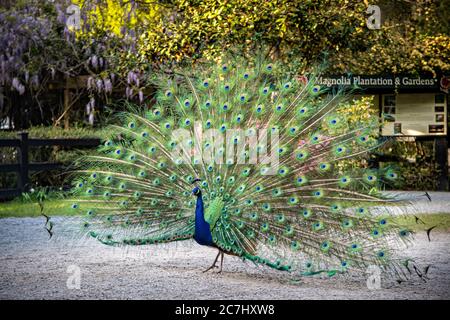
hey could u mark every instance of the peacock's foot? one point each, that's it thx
(212, 267)
(214, 263)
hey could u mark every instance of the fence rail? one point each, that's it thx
(24, 167)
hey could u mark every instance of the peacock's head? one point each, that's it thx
(196, 191)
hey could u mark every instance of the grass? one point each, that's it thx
(53, 207)
(56, 132)
(17, 208)
(440, 220)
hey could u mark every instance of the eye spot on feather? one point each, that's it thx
(168, 93)
(363, 139)
(403, 233)
(205, 84)
(265, 227)
(302, 180)
(187, 103)
(246, 76)
(269, 67)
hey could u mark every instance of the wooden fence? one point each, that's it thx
(24, 167)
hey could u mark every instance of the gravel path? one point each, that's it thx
(32, 267)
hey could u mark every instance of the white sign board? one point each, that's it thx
(415, 114)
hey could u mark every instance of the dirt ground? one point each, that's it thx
(35, 268)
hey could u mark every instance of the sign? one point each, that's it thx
(415, 114)
(388, 83)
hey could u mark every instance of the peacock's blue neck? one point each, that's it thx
(202, 231)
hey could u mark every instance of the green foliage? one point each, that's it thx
(413, 37)
(415, 163)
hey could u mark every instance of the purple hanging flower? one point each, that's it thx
(108, 85)
(99, 84)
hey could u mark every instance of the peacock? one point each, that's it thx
(240, 157)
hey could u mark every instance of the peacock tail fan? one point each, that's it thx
(282, 169)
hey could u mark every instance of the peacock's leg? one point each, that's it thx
(221, 261)
(214, 263)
